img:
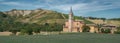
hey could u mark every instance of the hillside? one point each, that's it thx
(96, 21)
(34, 16)
(40, 16)
(99, 21)
(114, 22)
(118, 19)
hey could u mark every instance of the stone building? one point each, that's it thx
(71, 25)
(77, 25)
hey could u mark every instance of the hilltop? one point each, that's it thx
(40, 16)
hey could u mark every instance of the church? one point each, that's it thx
(72, 25)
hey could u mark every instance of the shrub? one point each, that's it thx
(117, 32)
(86, 28)
(105, 30)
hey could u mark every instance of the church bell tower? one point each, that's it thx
(70, 20)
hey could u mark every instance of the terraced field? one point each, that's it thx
(63, 38)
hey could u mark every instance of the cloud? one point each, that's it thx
(14, 3)
(80, 7)
(88, 7)
(64, 5)
(20, 4)
(1, 0)
(67, 6)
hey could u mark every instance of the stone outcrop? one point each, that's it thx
(15, 12)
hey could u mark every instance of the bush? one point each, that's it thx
(86, 28)
(12, 34)
(117, 32)
(22, 32)
(105, 31)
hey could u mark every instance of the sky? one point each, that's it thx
(94, 8)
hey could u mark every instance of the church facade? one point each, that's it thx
(72, 25)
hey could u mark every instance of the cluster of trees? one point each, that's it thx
(8, 23)
(81, 18)
(115, 19)
(26, 28)
(118, 30)
(86, 28)
(105, 30)
(93, 18)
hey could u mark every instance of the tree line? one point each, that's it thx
(26, 28)
(8, 23)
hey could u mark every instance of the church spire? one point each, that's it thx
(71, 12)
(71, 16)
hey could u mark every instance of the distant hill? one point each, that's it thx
(35, 16)
(107, 21)
(40, 16)
(118, 19)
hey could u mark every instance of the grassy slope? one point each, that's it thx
(114, 22)
(53, 16)
(44, 16)
(80, 18)
(118, 19)
(64, 38)
(96, 21)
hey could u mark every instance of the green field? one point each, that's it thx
(63, 38)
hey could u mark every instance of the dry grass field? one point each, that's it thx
(113, 22)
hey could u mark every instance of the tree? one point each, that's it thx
(29, 31)
(22, 32)
(15, 27)
(103, 19)
(86, 28)
(99, 27)
(105, 30)
(1, 28)
(59, 27)
(47, 27)
(118, 30)
(14, 31)
(36, 29)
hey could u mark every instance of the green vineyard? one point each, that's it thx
(63, 38)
